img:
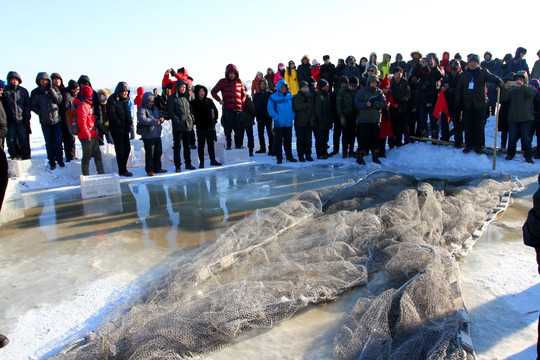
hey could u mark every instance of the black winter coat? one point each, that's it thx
(18, 107)
(322, 110)
(477, 97)
(304, 73)
(120, 120)
(303, 109)
(428, 83)
(248, 112)
(450, 82)
(179, 110)
(260, 99)
(45, 101)
(345, 103)
(328, 72)
(401, 93)
(3, 119)
(205, 112)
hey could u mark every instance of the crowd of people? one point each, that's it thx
(370, 104)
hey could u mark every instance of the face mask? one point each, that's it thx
(102, 97)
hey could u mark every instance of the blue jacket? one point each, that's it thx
(148, 116)
(517, 63)
(280, 106)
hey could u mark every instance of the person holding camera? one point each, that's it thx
(472, 99)
(520, 114)
(429, 76)
(369, 101)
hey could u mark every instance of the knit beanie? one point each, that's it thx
(87, 91)
(322, 83)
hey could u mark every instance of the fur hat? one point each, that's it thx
(353, 81)
(373, 78)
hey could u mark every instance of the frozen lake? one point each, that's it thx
(69, 261)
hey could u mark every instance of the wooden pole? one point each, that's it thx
(496, 129)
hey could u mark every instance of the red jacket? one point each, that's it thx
(85, 119)
(166, 80)
(233, 92)
(138, 98)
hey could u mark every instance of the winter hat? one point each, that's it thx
(343, 79)
(322, 83)
(488, 53)
(263, 80)
(303, 83)
(280, 65)
(326, 57)
(416, 52)
(398, 55)
(521, 74)
(2, 85)
(507, 57)
(474, 57)
(291, 63)
(72, 85)
(353, 81)
(535, 83)
(457, 56)
(259, 74)
(454, 64)
(350, 58)
(373, 78)
(86, 91)
(314, 62)
(385, 83)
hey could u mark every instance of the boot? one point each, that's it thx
(229, 144)
(215, 163)
(345, 153)
(360, 158)
(301, 158)
(375, 156)
(435, 136)
(309, 158)
(262, 150)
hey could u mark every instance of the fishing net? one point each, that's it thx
(387, 230)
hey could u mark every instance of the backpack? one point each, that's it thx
(71, 120)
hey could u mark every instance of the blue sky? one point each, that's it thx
(135, 41)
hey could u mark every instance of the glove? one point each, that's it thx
(173, 73)
(343, 122)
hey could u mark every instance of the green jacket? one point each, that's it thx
(521, 103)
(345, 102)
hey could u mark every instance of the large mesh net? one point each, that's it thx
(387, 230)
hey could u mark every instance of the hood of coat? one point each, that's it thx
(84, 80)
(103, 95)
(43, 75)
(140, 91)
(519, 50)
(280, 83)
(232, 67)
(14, 74)
(147, 96)
(198, 88)
(522, 74)
(490, 56)
(122, 86)
(56, 75)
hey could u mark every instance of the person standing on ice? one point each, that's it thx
(88, 133)
(120, 125)
(472, 99)
(149, 120)
(18, 109)
(520, 114)
(303, 121)
(45, 99)
(181, 114)
(280, 108)
(369, 101)
(233, 96)
(264, 121)
(205, 114)
(322, 113)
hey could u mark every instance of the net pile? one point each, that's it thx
(387, 230)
